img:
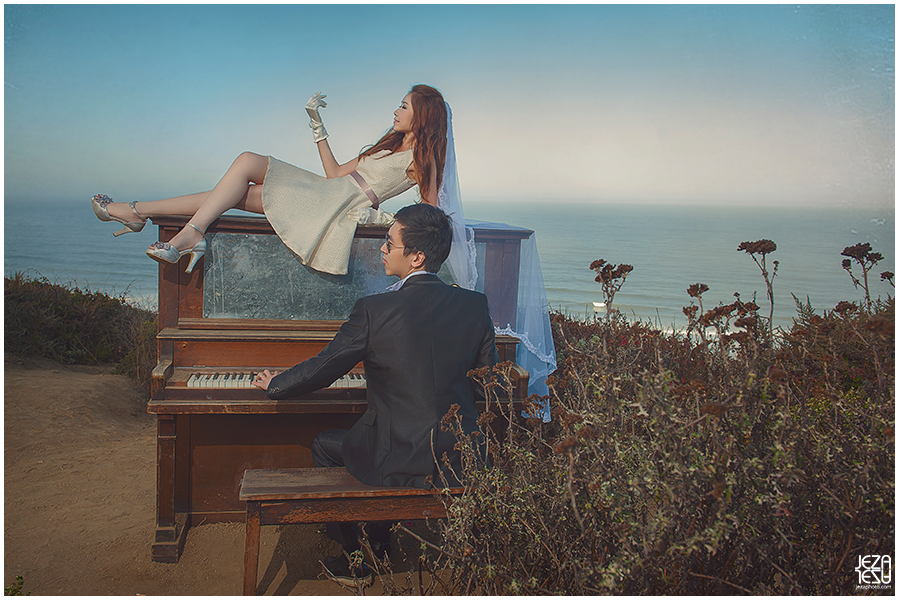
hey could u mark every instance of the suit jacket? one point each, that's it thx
(416, 345)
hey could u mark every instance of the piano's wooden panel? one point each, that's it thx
(208, 437)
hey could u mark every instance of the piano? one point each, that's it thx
(251, 305)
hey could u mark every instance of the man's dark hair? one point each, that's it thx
(427, 229)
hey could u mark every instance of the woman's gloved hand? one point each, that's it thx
(370, 216)
(315, 121)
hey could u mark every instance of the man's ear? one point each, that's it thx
(419, 260)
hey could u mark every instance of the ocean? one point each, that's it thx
(670, 247)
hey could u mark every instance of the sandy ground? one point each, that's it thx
(80, 497)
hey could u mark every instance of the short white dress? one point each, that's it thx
(309, 212)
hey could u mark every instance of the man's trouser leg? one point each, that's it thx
(327, 451)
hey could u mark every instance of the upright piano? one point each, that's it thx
(251, 305)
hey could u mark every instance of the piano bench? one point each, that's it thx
(322, 495)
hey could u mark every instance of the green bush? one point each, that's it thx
(15, 589)
(74, 326)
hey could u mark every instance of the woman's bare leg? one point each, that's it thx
(236, 189)
(185, 206)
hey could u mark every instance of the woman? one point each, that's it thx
(316, 217)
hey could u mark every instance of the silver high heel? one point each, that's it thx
(99, 203)
(166, 253)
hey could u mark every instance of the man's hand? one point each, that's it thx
(263, 378)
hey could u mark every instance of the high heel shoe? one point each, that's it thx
(99, 203)
(166, 253)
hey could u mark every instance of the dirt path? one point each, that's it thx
(80, 499)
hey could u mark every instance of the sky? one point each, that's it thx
(725, 104)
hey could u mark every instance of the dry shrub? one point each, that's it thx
(676, 463)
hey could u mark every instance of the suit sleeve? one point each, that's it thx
(340, 356)
(487, 352)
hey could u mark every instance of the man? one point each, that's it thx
(416, 344)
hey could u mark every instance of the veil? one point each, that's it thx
(536, 353)
(462, 250)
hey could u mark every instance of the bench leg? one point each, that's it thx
(251, 548)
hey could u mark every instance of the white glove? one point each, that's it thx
(370, 216)
(315, 121)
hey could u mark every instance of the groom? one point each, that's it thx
(416, 344)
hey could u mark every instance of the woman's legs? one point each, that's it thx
(236, 189)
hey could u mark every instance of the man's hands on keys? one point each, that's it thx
(263, 378)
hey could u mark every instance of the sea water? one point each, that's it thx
(65, 243)
(670, 247)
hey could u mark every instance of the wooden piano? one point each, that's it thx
(251, 305)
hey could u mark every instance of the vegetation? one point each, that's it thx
(15, 589)
(728, 459)
(70, 325)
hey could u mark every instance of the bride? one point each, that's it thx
(317, 216)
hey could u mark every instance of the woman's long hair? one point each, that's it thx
(430, 131)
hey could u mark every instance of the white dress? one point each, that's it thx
(309, 212)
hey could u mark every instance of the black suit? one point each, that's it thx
(416, 345)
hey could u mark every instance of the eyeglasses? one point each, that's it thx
(390, 246)
(387, 242)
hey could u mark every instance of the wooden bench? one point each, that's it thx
(322, 495)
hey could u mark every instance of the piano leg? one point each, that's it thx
(171, 528)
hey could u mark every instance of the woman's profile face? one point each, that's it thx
(403, 116)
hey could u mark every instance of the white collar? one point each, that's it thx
(398, 285)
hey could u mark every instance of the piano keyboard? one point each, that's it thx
(244, 379)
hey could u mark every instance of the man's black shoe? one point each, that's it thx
(381, 551)
(340, 570)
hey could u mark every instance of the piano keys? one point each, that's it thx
(224, 322)
(244, 379)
